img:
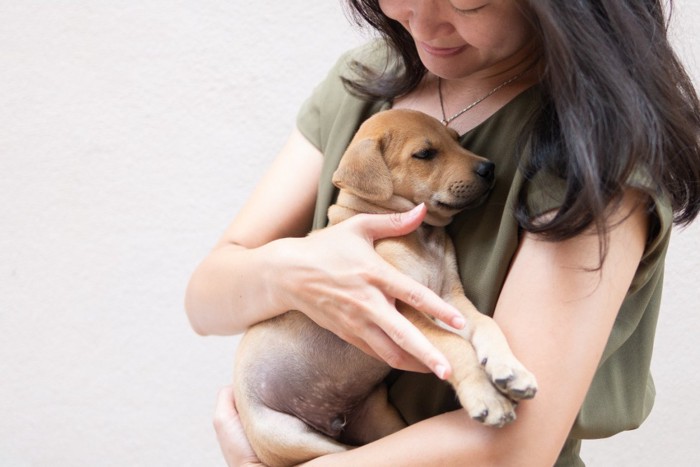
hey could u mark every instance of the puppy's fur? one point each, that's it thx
(301, 391)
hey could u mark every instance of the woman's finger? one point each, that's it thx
(229, 431)
(375, 326)
(378, 345)
(225, 401)
(402, 287)
(407, 337)
(378, 226)
(420, 297)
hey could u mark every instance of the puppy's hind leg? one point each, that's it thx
(280, 439)
(374, 418)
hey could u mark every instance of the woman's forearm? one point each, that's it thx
(233, 288)
(448, 439)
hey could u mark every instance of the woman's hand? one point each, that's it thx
(261, 268)
(229, 431)
(341, 283)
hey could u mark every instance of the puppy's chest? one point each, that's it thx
(420, 255)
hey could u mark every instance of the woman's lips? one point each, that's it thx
(441, 51)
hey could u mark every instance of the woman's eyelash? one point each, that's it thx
(468, 11)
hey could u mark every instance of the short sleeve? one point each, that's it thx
(545, 192)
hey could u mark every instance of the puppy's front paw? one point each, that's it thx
(484, 403)
(497, 359)
(510, 377)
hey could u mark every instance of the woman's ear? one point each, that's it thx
(363, 171)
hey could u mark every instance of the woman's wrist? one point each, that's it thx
(279, 262)
(236, 287)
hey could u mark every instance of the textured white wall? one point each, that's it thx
(131, 133)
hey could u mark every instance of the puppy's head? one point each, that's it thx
(412, 155)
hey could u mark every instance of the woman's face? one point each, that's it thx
(456, 38)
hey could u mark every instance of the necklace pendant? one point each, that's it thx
(446, 121)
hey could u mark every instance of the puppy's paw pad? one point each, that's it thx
(487, 405)
(480, 416)
(522, 386)
(513, 380)
(525, 393)
(498, 417)
(501, 417)
(502, 383)
(506, 418)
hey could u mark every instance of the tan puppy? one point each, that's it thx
(301, 391)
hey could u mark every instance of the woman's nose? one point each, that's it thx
(425, 19)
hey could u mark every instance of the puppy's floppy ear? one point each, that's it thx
(363, 172)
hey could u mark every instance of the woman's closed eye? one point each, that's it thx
(467, 7)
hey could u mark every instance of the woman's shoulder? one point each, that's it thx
(332, 101)
(375, 54)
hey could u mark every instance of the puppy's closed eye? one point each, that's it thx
(426, 154)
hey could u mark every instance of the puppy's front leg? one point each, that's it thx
(476, 393)
(492, 350)
(488, 340)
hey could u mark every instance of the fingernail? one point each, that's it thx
(415, 212)
(458, 322)
(441, 371)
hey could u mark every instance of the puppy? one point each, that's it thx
(301, 391)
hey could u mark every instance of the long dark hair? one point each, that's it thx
(616, 101)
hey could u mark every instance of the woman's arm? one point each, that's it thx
(228, 291)
(557, 316)
(264, 266)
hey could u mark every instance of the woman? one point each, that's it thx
(593, 126)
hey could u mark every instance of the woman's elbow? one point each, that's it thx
(192, 309)
(200, 303)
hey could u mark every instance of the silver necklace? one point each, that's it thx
(446, 121)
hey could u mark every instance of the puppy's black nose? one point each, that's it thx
(485, 170)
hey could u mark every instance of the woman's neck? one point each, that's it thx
(458, 94)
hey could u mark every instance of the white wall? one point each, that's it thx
(131, 133)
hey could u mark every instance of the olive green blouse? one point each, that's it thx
(622, 392)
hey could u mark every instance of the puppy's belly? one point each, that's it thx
(299, 368)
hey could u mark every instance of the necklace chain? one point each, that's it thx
(446, 121)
